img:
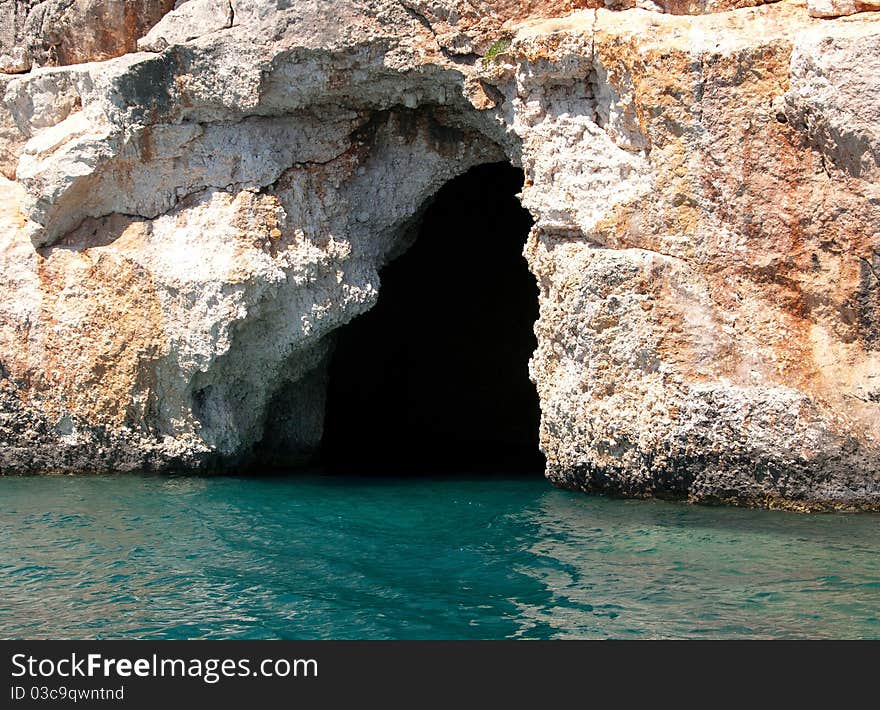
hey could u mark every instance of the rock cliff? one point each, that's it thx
(195, 196)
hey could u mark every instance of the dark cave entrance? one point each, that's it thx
(434, 378)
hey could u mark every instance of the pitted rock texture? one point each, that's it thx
(183, 229)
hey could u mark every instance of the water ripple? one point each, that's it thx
(313, 557)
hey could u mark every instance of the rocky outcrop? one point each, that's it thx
(183, 229)
(839, 8)
(58, 32)
(190, 20)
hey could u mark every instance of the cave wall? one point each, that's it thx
(183, 229)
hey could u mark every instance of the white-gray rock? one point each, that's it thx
(186, 22)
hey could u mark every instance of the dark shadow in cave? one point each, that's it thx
(435, 377)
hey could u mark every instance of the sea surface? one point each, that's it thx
(317, 557)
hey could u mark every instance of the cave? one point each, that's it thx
(434, 378)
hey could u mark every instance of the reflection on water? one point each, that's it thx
(312, 557)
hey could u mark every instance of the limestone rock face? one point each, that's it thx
(468, 27)
(58, 32)
(839, 8)
(191, 19)
(182, 230)
(14, 57)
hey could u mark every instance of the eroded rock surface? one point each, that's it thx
(58, 32)
(182, 230)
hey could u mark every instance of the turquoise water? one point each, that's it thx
(319, 557)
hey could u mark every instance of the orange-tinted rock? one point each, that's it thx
(61, 32)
